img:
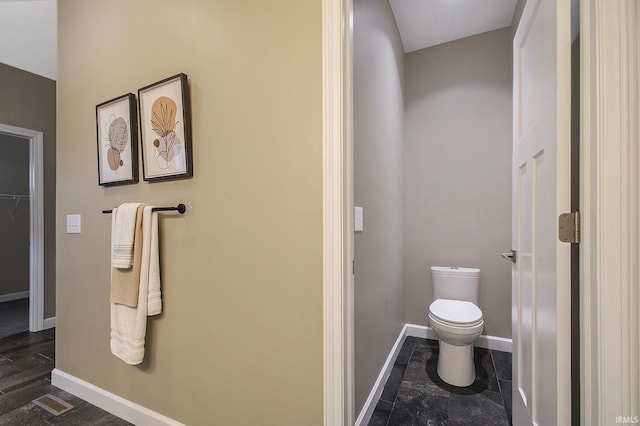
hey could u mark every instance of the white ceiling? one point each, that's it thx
(425, 23)
(28, 36)
(28, 28)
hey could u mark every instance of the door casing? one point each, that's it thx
(36, 222)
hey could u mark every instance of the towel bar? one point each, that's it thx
(180, 208)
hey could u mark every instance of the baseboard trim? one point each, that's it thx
(378, 387)
(110, 402)
(49, 323)
(14, 296)
(488, 342)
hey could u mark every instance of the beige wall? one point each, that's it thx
(29, 101)
(14, 218)
(378, 130)
(458, 171)
(239, 341)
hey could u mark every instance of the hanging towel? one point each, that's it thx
(122, 232)
(154, 295)
(129, 325)
(125, 283)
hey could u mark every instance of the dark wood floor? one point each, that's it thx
(14, 317)
(26, 361)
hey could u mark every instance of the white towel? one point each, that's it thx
(129, 325)
(122, 233)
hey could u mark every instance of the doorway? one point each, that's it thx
(14, 227)
(607, 59)
(31, 218)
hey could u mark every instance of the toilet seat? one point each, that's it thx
(455, 313)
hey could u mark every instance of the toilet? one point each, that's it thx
(457, 321)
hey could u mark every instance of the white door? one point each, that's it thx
(541, 191)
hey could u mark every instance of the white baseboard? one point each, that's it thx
(14, 296)
(378, 387)
(488, 342)
(110, 402)
(49, 323)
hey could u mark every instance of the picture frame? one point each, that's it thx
(165, 127)
(117, 139)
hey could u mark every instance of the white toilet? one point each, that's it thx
(457, 321)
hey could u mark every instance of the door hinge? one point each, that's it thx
(569, 227)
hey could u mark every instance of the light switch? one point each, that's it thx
(358, 219)
(73, 224)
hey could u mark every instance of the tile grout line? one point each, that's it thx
(393, 404)
(504, 404)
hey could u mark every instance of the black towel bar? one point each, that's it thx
(180, 208)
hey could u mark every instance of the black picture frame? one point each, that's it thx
(117, 141)
(165, 129)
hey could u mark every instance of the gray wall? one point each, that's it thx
(29, 101)
(14, 219)
(457, 171)
(378, 132)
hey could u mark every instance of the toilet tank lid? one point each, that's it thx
(455, 271)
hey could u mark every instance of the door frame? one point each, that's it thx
(36, 222)
(609, 66)
(337, 98)
(610, 207)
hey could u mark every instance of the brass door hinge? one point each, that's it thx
(569, 227)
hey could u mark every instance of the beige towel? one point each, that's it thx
(122, 234)
(129, 325)
(125, 282)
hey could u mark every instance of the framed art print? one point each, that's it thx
(117, 133)
(165, 126)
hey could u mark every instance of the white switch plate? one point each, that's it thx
(73, 224)
(358, 219)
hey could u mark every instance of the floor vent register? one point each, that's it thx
(54, 405)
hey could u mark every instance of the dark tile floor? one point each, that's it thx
(26, 361)
(414, 395)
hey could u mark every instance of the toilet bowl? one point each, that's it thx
(457, 321)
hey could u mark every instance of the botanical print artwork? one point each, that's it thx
(165, 126)
(168, 145)
(117, 141)
(117, 132)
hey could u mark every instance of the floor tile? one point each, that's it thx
(424, 399)
(506, 389)
(427, 343)
(381, 414)
(14, 317)
(480, 409)
(393, 384)
(405, 352)
(22, 340)
(502, 362)
(415, 407)
(422, 370)
(26, 361)
(14, 401)
(23, 369)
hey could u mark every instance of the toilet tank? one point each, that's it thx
(452, 282)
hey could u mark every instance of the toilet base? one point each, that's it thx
(455, 364)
